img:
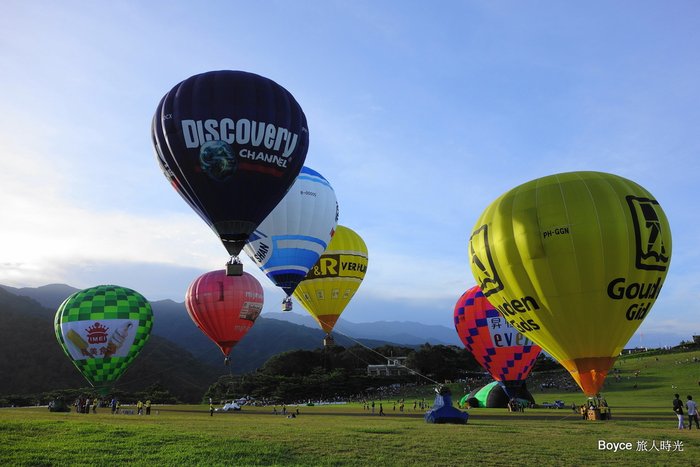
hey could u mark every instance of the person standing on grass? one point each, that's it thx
(381, 409)
(211, 409)
(692, 412)
(678, 409)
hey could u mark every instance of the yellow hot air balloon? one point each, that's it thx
(574, 261)
(331, 283)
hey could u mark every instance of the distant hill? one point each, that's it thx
(266, 338)
(400, 332)
(32, 361)
(49, 296)
(272, 333)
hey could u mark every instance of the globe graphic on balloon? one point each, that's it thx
(217, 160)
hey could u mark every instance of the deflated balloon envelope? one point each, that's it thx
(293, 236)
(224, 307)
(231, 143)
(575, 262)
(102, 329)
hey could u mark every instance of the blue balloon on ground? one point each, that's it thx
(443, 411)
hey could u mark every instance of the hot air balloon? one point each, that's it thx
(224, 307)
(575, 262)
(102, 329)
(333, 280)
(293, 236)
(231, 143)
(506, 353)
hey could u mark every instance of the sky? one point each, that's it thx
(420, 114)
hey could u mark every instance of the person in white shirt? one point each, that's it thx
(692, 412)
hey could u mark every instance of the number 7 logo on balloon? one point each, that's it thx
(480, 258)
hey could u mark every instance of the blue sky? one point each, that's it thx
(420, 114)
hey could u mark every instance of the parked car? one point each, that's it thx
(228, 407)
(554, 405)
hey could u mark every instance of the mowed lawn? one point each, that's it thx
(340, 435)
(643, 428)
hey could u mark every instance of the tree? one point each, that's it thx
(440, 362)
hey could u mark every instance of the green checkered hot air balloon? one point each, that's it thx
(102, 329)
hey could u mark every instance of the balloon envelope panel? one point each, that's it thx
(231, 143)
(102, 329)
(333, 280)
(503, 351)
(574, 261)
(224, 307)
(295, 234)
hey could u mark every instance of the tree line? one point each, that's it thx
(339, 373)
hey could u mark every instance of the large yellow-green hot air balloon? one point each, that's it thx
(574, 261)
(331, 283)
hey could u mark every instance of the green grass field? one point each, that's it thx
(349, 435)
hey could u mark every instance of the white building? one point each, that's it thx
(394, 366)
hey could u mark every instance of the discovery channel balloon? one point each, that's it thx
(575, 262)
(333, 280)
(102, 329)
(224, 307)
(506, 353)
(295, 234)
(231, 143)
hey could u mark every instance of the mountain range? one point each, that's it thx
(177, 350)
(33, 362)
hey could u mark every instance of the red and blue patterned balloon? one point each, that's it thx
(503, 351)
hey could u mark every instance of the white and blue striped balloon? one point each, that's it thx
(296, 233)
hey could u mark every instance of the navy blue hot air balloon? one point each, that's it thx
(231, 143)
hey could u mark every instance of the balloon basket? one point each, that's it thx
(234, 269)
(328, 341)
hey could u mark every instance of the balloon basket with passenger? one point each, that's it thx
(596, 408)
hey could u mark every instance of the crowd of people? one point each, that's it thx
(400, 404)
(88, 404)
(595, 409)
